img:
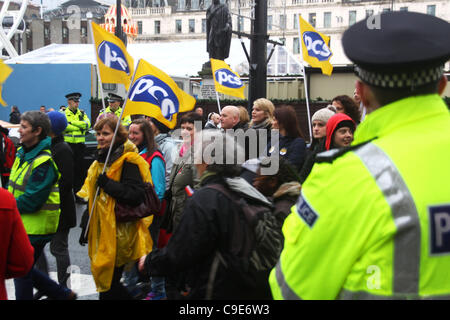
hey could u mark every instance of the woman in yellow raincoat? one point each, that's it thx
(113, 244)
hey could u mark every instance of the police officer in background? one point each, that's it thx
(391, 238)
(77, 125)
(114, 107)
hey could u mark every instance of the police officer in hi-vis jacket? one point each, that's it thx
(114, 101)
(373, 219)
(77, 125)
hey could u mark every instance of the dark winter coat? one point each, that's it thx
(204, 229)
(63, 157)
(292, 149)
(310, 159)
(14, 117)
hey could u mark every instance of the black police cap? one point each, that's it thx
(114, 97)
(401, 49)
(75, 96)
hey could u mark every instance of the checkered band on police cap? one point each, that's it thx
(400, 80)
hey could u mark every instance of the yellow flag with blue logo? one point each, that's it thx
(315, 47)
(155, 94)
(5, 71)
(113, 61)
(226, 80)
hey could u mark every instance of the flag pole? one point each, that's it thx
(98, 69)
(218, 101)
(304, 76)
(110, 148)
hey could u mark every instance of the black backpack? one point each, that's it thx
(255, 245)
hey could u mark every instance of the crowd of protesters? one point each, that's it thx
(247, 209)
(114, 251)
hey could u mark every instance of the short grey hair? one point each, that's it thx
(220, 151)
(38, 119)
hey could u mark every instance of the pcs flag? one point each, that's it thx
(155, 94)
(315, 47)
(114, 63)
(226, 81)
(5, 71)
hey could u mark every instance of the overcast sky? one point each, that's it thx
(52, 4)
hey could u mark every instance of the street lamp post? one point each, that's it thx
(258, 55)
(119, 32)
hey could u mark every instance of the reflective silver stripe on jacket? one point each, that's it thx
(286, 291)
(75, 135)
(406, 260)
(363, 295)
(50, 206)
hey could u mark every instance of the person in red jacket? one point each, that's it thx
(16, 251)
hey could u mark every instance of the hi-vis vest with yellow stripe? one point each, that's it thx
(45, 221)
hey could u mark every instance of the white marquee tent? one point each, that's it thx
(182, 59)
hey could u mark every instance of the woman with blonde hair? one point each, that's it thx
(113, 244)
(262, 117)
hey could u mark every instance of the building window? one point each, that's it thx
(191, 25)
(181, 4)
(83, 31)
(206, 4)
(269, 22)
(295, 21)
(431, 10)
(282, 21)
(178, 26)
(157, 27)
(351, 17)
(65, 32)
(109, 86)
(203, 25)
(139, 25)
(312, 19)
(327, 19)
(386, 9)
(369, 13)
(296, 46)
(46, 32)
(403, 8)
(195, 5)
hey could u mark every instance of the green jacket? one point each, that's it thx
(372, 223)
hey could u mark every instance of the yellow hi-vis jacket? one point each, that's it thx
(45, 220)
(126, 121)
(374, 222)
(77, 125)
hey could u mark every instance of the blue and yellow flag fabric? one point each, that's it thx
(113, 61)
(226, 80)
(155, 94)
(5, 71)
(315, 47)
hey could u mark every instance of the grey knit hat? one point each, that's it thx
(322, 115)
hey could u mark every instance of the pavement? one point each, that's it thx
(81, 278)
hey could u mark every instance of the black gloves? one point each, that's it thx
(102, 180)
